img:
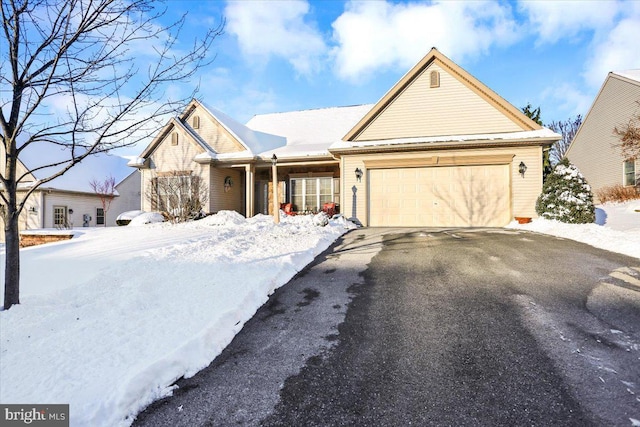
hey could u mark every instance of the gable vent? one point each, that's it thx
(196, 122)
(435, 79)
(174, 138)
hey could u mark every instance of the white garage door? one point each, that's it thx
(448, 196)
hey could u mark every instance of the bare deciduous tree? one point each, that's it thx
(180, 197)
(568, 130)
(69, 78)
(629, 135)
(106, 191)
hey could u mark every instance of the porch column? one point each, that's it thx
(249, 179)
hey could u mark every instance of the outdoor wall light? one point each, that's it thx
(70, 211)
(522, 168)
(359, 174)
(274, 160)
(228, 183)
(32, 209)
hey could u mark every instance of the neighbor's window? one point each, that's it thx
(629, 173)
(310, 194)
(100, 216)
(59, 216)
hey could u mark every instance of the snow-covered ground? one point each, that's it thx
(110, 319)
(617, 228)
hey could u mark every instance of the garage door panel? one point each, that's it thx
(440, 196)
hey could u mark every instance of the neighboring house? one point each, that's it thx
(69, 201)
(594, 149)
(439, 149)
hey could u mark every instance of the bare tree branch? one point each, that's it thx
(568, 130)
(629, 136)
(70, 78)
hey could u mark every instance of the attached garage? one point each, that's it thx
(440, 196)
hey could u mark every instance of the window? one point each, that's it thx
(100, 216)
(310, 194)
(196, 122)
(60, 216)
(177, 193)
(435, 79)
(629, 173)
(174, 138)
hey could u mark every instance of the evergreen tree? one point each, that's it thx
(566, 196)
(535, 115)
(532, 113)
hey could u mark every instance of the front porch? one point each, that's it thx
(306, 187)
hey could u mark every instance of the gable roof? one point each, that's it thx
(308, 132)
(94, 167)
(629, 77)
(633, 76)
(252, 141)
(522, 122)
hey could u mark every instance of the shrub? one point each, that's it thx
(618, 193)
(566, 196)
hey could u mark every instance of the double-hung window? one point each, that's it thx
(99, 216)
(629, 173)
(310, 194)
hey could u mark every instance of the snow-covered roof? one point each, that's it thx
(629, 74)
(254, 140)
(94, 167)
(508, 136)
(308, 132)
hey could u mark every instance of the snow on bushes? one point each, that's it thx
(146, 218)
(566, 196)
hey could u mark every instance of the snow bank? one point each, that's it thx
(109, 320)
(617, 228)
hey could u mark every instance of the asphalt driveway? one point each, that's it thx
(432, 327)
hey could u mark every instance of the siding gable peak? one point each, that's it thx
(435, 98)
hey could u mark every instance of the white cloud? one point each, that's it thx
(555, 20)
(567, 100)
(378, 35)
(266, 29)
(618, 50)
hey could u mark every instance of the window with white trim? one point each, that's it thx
(100, 216)
(310, 194)
(629, 173)
(59, 216)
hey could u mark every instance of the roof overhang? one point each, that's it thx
(447, 145)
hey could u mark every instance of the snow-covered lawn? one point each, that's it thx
(110, 319)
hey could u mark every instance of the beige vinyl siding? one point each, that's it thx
(523, 191)
(168, 158)
(213, 133)
(450, 109)
(229, 200)
(593, 150)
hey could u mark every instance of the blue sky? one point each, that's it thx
(290, 55)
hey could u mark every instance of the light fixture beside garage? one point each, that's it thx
(359, 174)
(522, 168)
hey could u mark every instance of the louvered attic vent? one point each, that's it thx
(435, 79)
